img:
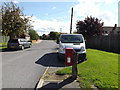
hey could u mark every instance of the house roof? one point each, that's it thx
(109, 28)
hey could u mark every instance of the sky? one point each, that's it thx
(55, 15)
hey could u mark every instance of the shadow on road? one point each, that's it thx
(58, 85)
(51, 60)
(7, 50)
(12, 50)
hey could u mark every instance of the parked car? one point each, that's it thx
(18, 43)
(75, 41)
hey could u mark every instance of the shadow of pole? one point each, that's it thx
(57, 85)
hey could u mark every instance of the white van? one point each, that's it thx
(75, 41)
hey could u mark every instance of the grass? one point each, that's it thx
(101, 70)
(3, 45)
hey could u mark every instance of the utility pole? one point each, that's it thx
(60, 30)
(71, 20)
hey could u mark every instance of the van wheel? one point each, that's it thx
(22, 48)
(29, 46)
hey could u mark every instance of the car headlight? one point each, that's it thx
(82, 48)
(62, 48)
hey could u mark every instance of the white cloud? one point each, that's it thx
(83, 9)
(95, 8)
(97, 1)
(53, 7)
(110, 1)
(15, 1)
(119, 15)
(45, 26)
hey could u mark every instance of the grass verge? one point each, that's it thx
(101, 70)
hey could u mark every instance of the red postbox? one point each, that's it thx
(69, 54)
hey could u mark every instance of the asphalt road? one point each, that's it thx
(23, 68)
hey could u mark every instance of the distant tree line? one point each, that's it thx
(89, 27)
(51, 36)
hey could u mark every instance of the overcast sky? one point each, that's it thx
(54, 15)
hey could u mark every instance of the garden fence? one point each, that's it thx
(107, 43)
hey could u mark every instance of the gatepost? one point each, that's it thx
(74, 66)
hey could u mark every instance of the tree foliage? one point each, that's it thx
(51, 36)
(14, 22)
(33, 34)
(91, 26)
(44, 37)
(54, 35)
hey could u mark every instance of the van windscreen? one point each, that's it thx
(71, 39)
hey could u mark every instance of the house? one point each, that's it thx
(109, 30)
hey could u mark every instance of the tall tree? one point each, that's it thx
(14, 22)
(91, 26)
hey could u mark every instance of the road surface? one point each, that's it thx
(23, 68)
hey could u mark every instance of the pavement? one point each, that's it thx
(51, 80)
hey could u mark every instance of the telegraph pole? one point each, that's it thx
(71, 20)
(60, 30)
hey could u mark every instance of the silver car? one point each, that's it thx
(18, 43)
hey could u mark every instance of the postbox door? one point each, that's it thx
(69, 56)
